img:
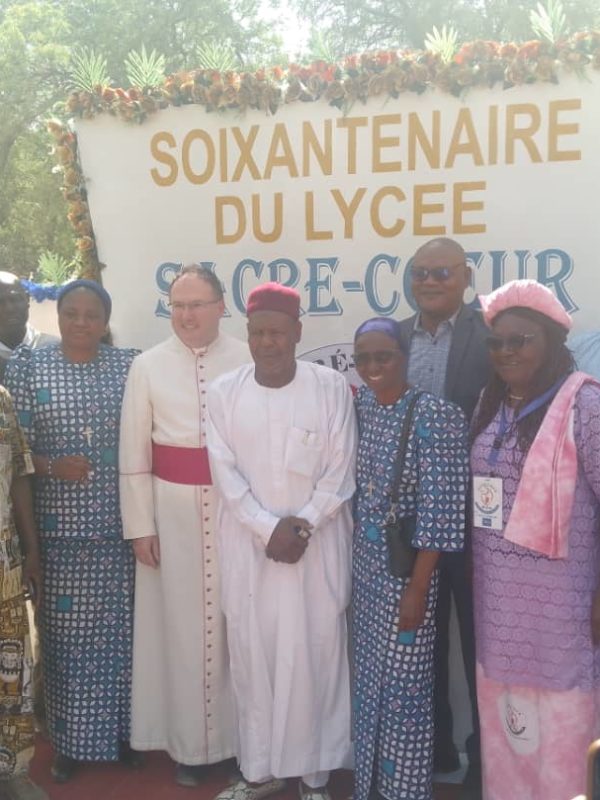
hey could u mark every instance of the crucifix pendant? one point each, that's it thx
(87, 433)
(370, 488)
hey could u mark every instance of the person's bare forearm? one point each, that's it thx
(22, 499)
(425, 564)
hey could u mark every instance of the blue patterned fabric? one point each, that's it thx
(87, 633)
(71, 408)
(394, 681)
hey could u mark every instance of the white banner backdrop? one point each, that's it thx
(336, 204)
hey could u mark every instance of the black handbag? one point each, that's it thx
(399, 530)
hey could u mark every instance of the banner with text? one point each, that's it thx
(335, 204)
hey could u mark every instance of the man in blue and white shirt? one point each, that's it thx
(448, 357)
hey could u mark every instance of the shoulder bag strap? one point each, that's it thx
(402, 444)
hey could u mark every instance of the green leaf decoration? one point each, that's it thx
(442, 43)
(145, 70)
(549, 22)
(323, 49)
(54, 269)
(218, 56)
(87, 71)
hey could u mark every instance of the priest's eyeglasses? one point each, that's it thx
(381, 357)
(195, 305)
(514, 342)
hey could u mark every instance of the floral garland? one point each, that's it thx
(75, 193)
(41, 291)
(356, 78)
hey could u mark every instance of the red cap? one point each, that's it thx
(274, 297)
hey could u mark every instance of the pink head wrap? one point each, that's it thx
(526, 294)
(274, 297)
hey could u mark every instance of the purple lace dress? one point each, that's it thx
(532, 613)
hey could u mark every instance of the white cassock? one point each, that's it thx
(181, 689)
(275, 453)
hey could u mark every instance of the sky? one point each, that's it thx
(293, 31)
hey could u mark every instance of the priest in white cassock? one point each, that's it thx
(281, 440)
(181, 692)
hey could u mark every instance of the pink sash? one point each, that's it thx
(185, 465)
(541, 514)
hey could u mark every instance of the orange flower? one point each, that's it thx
(56, 128)
(73, 104)
(71, 177)
(85, 243)
(78, 208)
(508, 50)
(231, 79)
(228, 98)
(529, 49)
(83, 227)
(383, 58)
(64, 155)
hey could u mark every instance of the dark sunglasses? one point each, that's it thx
(381, 357)
(513, 342)
(439, 274)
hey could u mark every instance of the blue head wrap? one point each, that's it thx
(93, 286)
(385, 325)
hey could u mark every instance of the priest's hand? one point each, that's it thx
(147, 550)
(285, 544)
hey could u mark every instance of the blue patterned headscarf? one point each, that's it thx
(93, 286)
(385, 325)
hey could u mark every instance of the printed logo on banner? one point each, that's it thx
(338, 357)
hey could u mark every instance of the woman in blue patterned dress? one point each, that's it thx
(68, 397)
(393, 618)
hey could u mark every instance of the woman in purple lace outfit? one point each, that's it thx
(537, 618)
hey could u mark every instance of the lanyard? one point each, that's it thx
(504, 426)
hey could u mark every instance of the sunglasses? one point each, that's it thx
(381, 357)
(513, 342)
(439, 274)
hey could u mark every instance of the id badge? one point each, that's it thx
(487, 503)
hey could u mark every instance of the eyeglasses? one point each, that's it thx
(381, 357)
(439, 274)
(513, 342)
(196, 305)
